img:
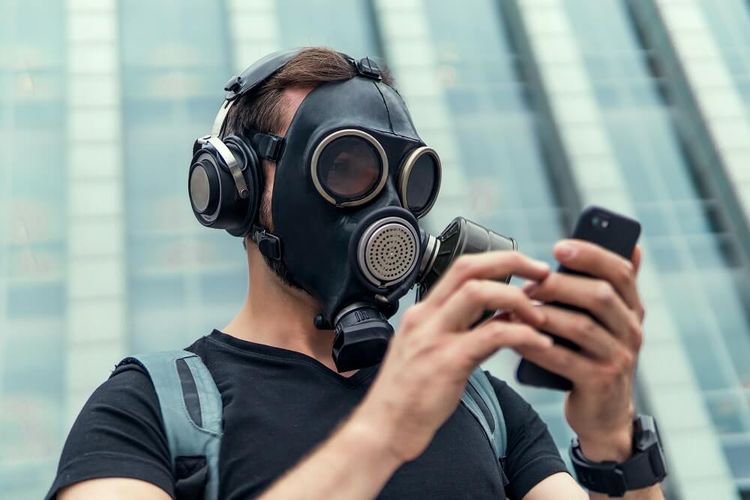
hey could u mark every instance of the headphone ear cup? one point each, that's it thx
(213, 194)
(252, 169)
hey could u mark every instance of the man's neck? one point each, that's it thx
(278, 315)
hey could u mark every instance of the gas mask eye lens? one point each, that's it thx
(349, 168)
(419, 181)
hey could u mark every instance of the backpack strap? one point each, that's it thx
(480, 399)
(191, 408)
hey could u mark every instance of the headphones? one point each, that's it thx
(225, 180)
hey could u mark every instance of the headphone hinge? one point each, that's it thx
(234, 85)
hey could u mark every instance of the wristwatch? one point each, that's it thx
(644, 468)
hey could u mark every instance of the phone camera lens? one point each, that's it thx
(599, 222)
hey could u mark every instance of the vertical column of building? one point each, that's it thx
(701, 84)
(411, 57)
(697, 464)
(253, 30)
(96, 261)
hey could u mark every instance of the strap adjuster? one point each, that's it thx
(269, 147)
(368, 68)
(268, 243)
(233, 85)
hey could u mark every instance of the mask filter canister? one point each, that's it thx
(462, 236)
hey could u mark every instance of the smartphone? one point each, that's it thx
(610, 230)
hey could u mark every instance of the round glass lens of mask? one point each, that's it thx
(349, 167)
(422, 182)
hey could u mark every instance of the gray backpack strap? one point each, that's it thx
(480, 399)
(191, 408)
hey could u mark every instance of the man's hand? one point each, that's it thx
(422, 377)
(435, 350)
(600, 406)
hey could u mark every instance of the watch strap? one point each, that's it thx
(644, 468)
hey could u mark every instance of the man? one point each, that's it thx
(293, 426)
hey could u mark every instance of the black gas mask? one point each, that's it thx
(352, 178)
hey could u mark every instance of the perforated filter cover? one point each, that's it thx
(388, 252)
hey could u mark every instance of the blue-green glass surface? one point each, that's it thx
(173, 70)
(703, 281)
(729, 23)
(500, 151)
(33, 197)
(308, 23)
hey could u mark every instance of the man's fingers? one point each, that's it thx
(563, 361)
(580, 329)
(482, 342)
(598, 262)
(475, 296)
(487, 265)
(635, 259)
(596, 296)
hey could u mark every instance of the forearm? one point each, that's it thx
(355, 462)
(651, 493)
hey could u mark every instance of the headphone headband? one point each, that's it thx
(257, 73)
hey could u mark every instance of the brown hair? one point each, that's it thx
(262, 109)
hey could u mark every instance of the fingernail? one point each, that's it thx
(565, 251)
(546, 340)
(541, 265)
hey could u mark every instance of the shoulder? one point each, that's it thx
(118, 433)
(520, 417)
(514, 406)
(532, 455)
(127, 396)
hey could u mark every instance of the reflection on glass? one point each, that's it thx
(499, 149)
(729, 22)
(173, 70)
(308, 23)
(694, 254)
(33, 242)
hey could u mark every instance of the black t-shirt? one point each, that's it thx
(278, 405)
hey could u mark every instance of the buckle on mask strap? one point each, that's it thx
(365, 67)
(268, 243)
(268, 146)
(368, 68)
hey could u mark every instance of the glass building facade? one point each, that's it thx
(537, 107)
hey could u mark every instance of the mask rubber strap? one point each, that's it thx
(268, 243)
(268, 146)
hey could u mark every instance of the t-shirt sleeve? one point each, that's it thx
(532, 454)
(119, 433)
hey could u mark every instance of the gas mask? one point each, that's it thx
(352, 179)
